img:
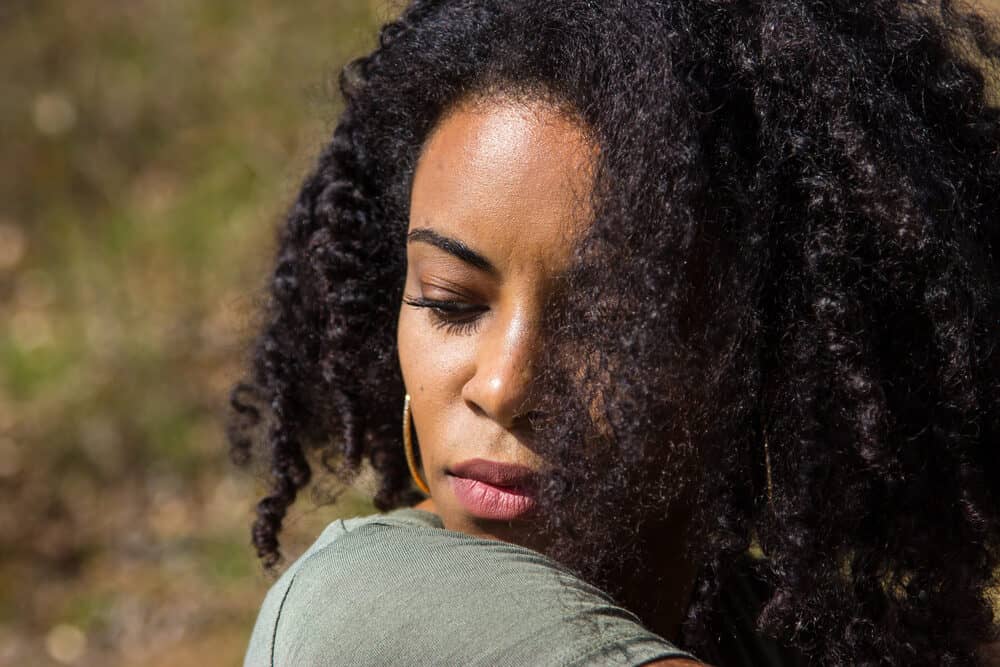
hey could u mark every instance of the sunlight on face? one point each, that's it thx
(499, 195)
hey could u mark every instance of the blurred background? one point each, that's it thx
(148, 150)
(147, 153)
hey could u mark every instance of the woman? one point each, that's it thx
(665, 283)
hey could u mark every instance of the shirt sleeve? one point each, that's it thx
(394, 594)
(260, 651)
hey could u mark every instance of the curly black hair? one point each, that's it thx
(792, 281)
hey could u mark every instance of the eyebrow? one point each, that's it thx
(452, 247)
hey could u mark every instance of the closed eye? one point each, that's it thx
(454, 317)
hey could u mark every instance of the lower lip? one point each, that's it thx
(486, 501)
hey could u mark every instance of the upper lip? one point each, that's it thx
(509, 475)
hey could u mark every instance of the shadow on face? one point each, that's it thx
(500, 193)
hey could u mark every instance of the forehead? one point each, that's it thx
(509, 178)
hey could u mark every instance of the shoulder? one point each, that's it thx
(278, 603)
(393, 589)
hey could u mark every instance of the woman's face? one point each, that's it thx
(499, 195)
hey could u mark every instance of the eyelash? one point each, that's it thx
(443, 314)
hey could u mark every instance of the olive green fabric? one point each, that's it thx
(399, 589)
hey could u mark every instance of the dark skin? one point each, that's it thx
(506, 179)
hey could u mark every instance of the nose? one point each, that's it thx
(504, 370)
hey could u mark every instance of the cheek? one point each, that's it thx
(413, 352)
(432, 364)
(431, 361)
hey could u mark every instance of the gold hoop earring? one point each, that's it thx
(411, 460)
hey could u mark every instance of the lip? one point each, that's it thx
(493, 490)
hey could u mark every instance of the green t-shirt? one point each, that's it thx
(399, 589)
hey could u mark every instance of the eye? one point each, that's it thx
(454, 317)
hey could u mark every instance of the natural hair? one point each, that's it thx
(796, 240)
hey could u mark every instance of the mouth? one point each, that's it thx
(494, 490)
